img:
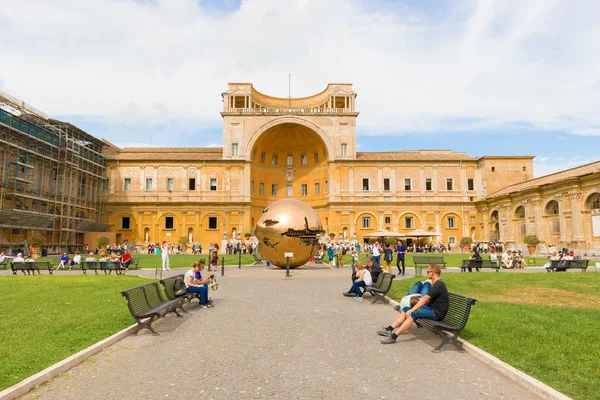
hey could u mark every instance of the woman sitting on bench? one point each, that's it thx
(363, 279)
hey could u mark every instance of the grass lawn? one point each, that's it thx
(546, 325)
(46, 322)
(184, 260)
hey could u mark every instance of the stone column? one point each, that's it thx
(197, 228)
(352, 224)
(423, 221)
(434, 181)
(183, 225)
(486, 224)
(393, 181)
(185, 178)
(438, 226)
(422, 179)
(154, 228)
(538, 225)
(142, 177)
(507, 215)
(561, 217)
(139, 225)
(576, 227)
(380, 224)
(351, 179)
(155, 180)
(380, 179)
(463, 181)
(465, 224)
(112, 180)
(241, 218)
(227, 223)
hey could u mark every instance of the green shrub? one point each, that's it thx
(103, 241)
(531, 240)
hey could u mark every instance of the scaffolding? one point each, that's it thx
(51, 177)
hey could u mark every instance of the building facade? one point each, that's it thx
(304, 148)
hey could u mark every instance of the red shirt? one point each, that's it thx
(126, 257)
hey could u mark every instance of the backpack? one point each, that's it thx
(389, 255)
(343, 251)
(179, 287)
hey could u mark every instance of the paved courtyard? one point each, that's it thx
(267, 336)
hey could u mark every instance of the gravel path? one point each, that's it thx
(267, 336)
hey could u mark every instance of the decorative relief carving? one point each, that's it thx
(536, 201)
(197, 212)
(288, 174)
(140, 213)
(576, 195)
(153, 212)
(184, 213)
(241, 212)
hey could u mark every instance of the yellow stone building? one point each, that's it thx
(305, 148)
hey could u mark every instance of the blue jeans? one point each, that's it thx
(203, 290)
(420, 288)
(423, 313)
(356, 288)
(377, 259)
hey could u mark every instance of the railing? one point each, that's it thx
(277, 111)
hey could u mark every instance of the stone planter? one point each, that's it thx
(531, 248)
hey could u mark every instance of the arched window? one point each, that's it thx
(520, 212)
(594, 201)
(552, 208)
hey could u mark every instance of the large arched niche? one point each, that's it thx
(296, 123)
(305, 179)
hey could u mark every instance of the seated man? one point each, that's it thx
(475, 257)
(507, 259)
(125, 262)
(374, 268)
(19, 259)
(90, 258)
(436, 299)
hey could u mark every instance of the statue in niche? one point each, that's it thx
(146, 236)
(289, 174)
(227, 184)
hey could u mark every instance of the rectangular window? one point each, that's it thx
(148, 183)
(452, 240)
(127, 184)
(451, 222)
(125, 223)
(234, 149)
(192, 184)
(261, 188)
(274, 160)
(262, 158)
(304, 189)
(316, 158)
(555, 225)
(428, 185)
(470, 184)
(317, 188)
(252, 186)
(449, 184)
(493, 169)
(365, 184)
(213, 184)
(168, 222)
(473, 220)
(105, 185)
(303, 159)
(408, 222)
(344, 150)
(388, 220)
(366, 223)
(386, 184)
(524, 168)
(274, 189)
(289, 190)
(289, 160)
(170, 184)
(326, 186)
(212, 223)
(407, 184)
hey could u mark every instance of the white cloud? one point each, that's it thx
(483, 65)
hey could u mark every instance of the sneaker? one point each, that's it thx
(203, 306)
(387, 340)
(209, 305)
(358, 298)
(384, 332)
(348, 294)
(397, 308)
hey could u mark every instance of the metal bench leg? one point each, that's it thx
(147, 325)
(448, 339)
(376, 297)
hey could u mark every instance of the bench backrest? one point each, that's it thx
(21, 265)
(142, 298)
(169, 285)
(379, 281)
(40, 264)
(428, 259)
(386, 283)
(459, 308)
(91, 264)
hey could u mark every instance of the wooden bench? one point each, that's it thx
(470, 264)
(459, 308)
(31, 267)
(564, 265)
(379, 292)
(426, 260)
(258, 258)
(147, 302)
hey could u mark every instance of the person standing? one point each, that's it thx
(400, 251)
(214, 260)
(376, 253)
(164, 253)
(388, 257)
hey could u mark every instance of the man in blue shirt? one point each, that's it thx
(400, 251)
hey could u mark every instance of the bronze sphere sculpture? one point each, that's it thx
(288, 225)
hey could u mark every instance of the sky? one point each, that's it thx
(484, 77)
